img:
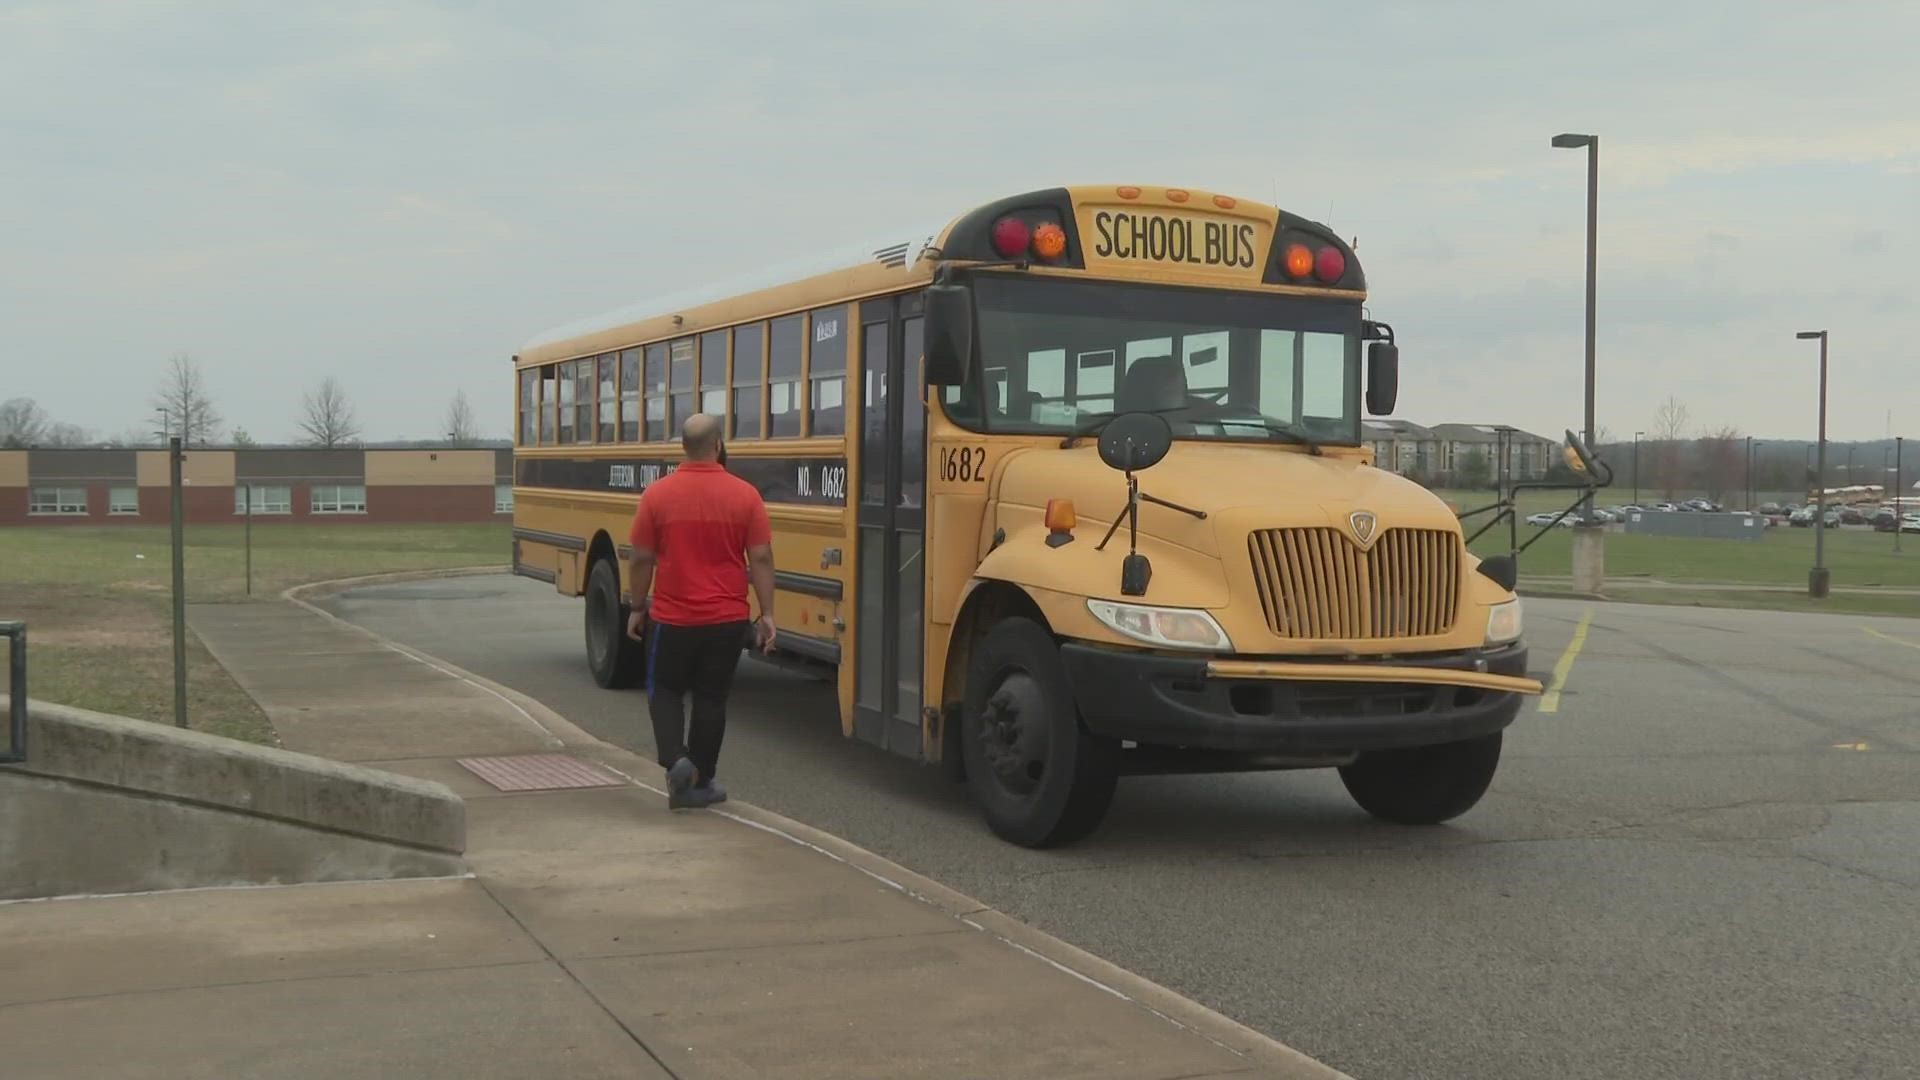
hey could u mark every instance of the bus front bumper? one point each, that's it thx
(1288, 707)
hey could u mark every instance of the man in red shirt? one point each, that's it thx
(698, 536)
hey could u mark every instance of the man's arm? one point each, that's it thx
(639, 583)
(760, 571)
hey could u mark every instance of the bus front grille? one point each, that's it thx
(1315, 583)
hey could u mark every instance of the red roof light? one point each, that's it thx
(1010, 236)
(1329, 265)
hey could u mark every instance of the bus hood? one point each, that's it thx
(1240, 487)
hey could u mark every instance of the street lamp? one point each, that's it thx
(1818, 579)
(1899, 493)
(1636, 466)
(1592, 144)
(1749, 474)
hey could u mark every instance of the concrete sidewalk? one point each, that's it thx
(599, 935)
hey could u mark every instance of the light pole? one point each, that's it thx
(1818, 579)
(1899, 503)
(1636, 467)
(1592, 144)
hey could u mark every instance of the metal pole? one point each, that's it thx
(175, 458)
(249, 539)
(1749, 474)
(1636, 467)
(1593, 233)
(1819, 580)
(1899, 489)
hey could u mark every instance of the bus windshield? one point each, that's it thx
(1055, 356)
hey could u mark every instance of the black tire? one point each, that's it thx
(1040, 779)
(616, 660)
(1423, 785)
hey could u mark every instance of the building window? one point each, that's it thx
(658, 430)
(713, 375)
(783, 377)
(529, 407)
(630, 396)
(338, 499)
(123, 500)
(828, 371)
(503, 498)
(609, 401)
(58, 501)
(267, 499)
(747, 366)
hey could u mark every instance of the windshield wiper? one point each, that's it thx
(1284, 434)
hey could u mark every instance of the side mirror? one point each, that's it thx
(1135, 441)
(1383, 377)
(949, 334)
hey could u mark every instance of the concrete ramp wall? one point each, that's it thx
(105, 804)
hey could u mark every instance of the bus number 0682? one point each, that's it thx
(967, 464)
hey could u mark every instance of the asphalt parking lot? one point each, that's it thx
(1701, 858)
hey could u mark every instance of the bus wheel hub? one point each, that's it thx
(1014, 733)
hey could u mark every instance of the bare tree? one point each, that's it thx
(22, 423)
(63, 434)
(1670, 424)
(183, 397)
(461, 430)
(1722, 456)
(327, 416)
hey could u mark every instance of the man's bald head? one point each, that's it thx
(700, 437)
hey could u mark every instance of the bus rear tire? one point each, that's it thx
(1423, 785)
(1040, 779)
(616, 660)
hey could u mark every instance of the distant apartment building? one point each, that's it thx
(102, 487)
(1401, 446)
(1444, 453)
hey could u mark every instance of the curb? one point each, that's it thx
(1273, 1057)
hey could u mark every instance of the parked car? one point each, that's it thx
(1772, 509)
(1802, 518)
(1548, 519)
(1884, 519)
(1910, 523)
(1665, 507)
(1851, 515)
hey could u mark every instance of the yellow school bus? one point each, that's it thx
(1068, 488)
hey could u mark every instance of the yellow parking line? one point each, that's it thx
(1550, 699)
(1890, 637)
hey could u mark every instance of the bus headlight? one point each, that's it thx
(1169, 628)
(1503, 622)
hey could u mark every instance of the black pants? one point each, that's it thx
(699, 660)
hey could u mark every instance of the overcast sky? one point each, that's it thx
(402, 194)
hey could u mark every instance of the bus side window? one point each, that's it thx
(529, 407)
(658, 430)
(783, 377)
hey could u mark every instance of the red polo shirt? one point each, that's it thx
(699, 522)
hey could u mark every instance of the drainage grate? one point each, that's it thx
(540, 772)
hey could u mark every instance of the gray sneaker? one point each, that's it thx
(696, 798)
(680, 778)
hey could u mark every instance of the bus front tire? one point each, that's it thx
(1423, 785)
(616, 660)
(1040, 779)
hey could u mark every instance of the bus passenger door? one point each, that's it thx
(892, 524)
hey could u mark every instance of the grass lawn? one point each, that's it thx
(1782, 556)
(95, 601)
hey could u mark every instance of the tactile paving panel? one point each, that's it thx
(540, 772)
